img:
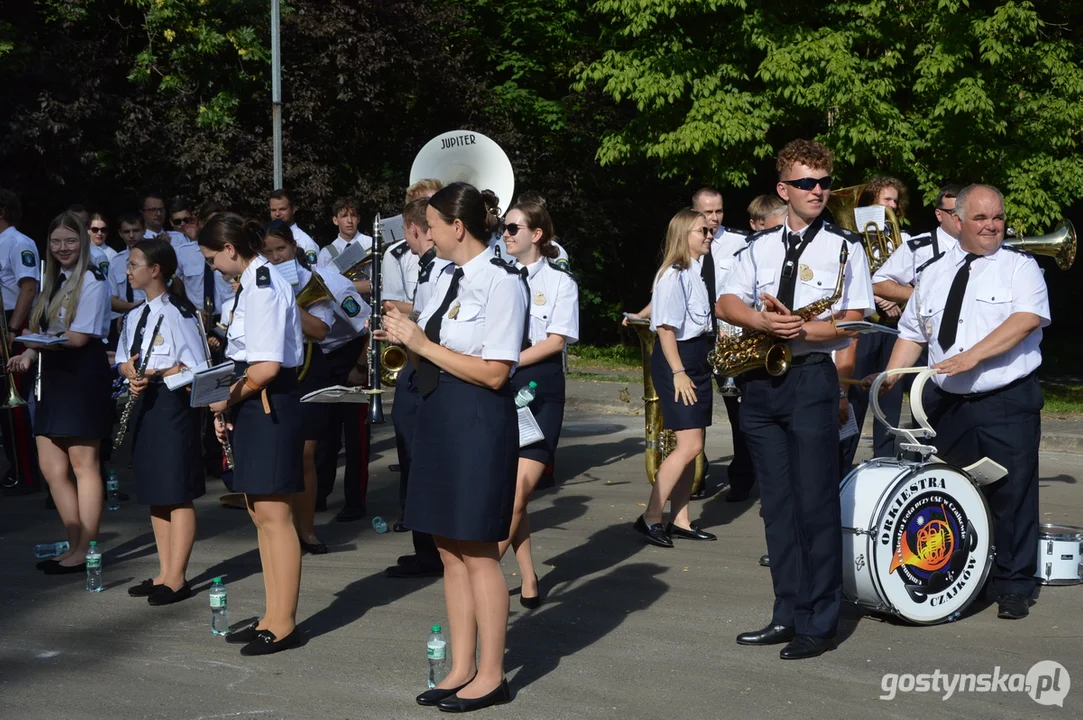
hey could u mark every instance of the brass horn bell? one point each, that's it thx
(1059, 244)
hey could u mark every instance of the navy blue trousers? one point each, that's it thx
(1006, 427)
(741, 474)
(791, 425)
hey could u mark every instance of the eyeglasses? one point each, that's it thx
(183, 220)
(99, 229)
(947, 210)
(133, 266)
(514, 228)
(64, 242)
(807, 183)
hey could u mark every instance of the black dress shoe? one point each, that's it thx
(143, 589)
(1013, 607)
(349, 514)
(243, 636)
(531, 603)
(692, 534)
(58, 569)
(265, 644)
(765, 560)
(456, 704)
(430, 698)
(805, 646)
(398, 526)
(736, 496)
(656, 534)
(770, 635)
(410, 567)
(165, 595)
(317, 548)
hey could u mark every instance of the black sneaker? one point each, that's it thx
(1013, 607)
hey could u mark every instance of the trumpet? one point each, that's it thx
(122, 429)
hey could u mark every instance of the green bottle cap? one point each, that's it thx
(93, 543)
(436, 628)
(218, 580)
(533, 384)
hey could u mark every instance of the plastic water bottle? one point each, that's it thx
(379, 525)
(49, 550)
(525, 396)
(219, 622)
(93, 568)
(112, 487)
(436, 649)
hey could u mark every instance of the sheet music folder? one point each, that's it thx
(338, 394)
(212, 385)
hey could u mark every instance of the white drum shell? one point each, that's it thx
(1060, 555)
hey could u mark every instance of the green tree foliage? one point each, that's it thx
(933, 90)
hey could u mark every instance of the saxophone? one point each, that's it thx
(736, 354)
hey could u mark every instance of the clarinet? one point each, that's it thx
(227, 446)
(142, 371)
(376, 405)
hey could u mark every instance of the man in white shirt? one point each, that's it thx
(346, 219)
(281, 207)
(980, 309)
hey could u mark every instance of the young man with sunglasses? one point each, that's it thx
(197, 276)
(791, 421)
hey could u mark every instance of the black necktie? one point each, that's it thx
(949, 324)
(795, 245)
(525, 274)
(707, 273)
(60, 280)
(128, 290)
(140, 328)
(427, 376)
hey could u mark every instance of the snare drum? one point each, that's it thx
(1060, 554)
(916, 540)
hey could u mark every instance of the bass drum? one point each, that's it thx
(916, 540)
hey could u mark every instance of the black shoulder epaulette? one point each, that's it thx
(505, 265)
(735, 231)
(423, 274)
(399, 249)
(854, 237)
(186, 310)
(738, 253)
(562, 266)
(96, 272)
(920, 241)
(761, 233)
(263, 277)
(1014, 249)
(928, 262)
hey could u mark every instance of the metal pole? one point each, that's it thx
(276, 92)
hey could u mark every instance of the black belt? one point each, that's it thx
(810, 358)
(989, 393)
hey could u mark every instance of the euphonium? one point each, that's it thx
(879, 243)
(314, 291)
(659, 441)
(1059, 244)
(736, 354)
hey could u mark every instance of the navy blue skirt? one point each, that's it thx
(76, 393)
(677, 415)
(166, 450)
(268, 447)
(314, 416)
(464, 465)
(548, 405)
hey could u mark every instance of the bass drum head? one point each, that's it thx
(933, 544)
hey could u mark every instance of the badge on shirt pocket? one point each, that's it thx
(28, 258)
(539, 298)
(351, 307)
(454, 311)
(805, 273)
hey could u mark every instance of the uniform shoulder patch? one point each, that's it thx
(184, 308)
(96, 272)
(104, 267)
(311, 256)
(350, 306)
(399, 249)
(561, 265)
(263, 277)
(920, 241)
(27, 258)
(504, 265)
(854, 237)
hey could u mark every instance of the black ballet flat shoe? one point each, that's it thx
(770, 635)
(264, 643)
(656, 534)
(243, 635)
(803, 647)
(432, 698)
(165, 595)
(143, 589)
(317, 548)
(531, 603)
(694, 533)
(399, 526)
(58, 569)
(765, 560)
(456, 704)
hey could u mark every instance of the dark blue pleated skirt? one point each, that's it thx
(76, 393)
(166, 450)
(268, 447)
(548, 405)
(466, 455)
(677, 415)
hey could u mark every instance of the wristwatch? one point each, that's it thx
(843, 394)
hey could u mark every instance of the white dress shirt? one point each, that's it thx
(399, 270)
(91, 311)
(1001, 284)
(488, 316)
(904, 265)
(426, 282)
(351, 312)
(554, 302)
(680, 301)
(118, 281)
(497, 245)
(327, 255)
(322, 310)
(266, 323)
(759, 272)
(724, 248)
(306, 243)
(18, 260)
(99, 259)
(180, 339)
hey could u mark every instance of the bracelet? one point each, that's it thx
(678, 372)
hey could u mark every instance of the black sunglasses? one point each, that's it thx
(807, 184)
(183, 220)
(99, 229)
(514, 228)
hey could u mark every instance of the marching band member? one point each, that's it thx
(264, 340)
(401, 262)
(99, 235)
(20, 275)
(124, 296)
(425, 562)
(281, 207)
(766, 212)
(683, 318)
(462, 483)
(72, 414)
(554, 324)
(346, 219)
(166, 454)
(791, 421)
(980, 309)
(896, 278)
(497, 242)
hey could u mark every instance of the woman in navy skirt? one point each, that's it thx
(166, 451)
(72, 413)
(554, 323)
(466, 445)
(264, 342)
(682, 315)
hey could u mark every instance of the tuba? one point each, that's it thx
(466, 156)
(736, 354)
(314, 291)
(879, 242)
(1059, 244)
(659, 441)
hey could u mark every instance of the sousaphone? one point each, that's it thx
(466, 156)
